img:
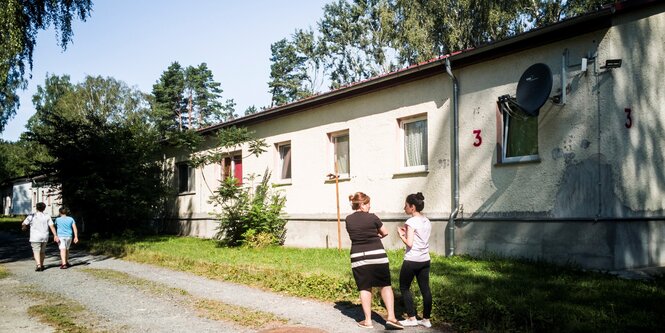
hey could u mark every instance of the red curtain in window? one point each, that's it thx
(237, 168)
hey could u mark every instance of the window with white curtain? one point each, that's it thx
(414, 144)
(340, 150)
(284, 150)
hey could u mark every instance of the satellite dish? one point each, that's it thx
(534, 88)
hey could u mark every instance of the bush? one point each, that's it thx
(250, 215)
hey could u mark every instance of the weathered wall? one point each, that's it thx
(587, 200)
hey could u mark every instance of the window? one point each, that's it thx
(414, 144)
(340, 149)
(232, 167)
(185, 178)
(519, 139)
(284, 150)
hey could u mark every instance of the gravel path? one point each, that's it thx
(124, 308)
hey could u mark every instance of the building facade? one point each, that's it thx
(580, 182)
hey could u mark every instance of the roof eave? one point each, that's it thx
(576, 26)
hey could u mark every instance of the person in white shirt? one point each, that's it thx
(39, 224)
(415, 235)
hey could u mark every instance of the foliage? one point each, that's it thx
(359, 39)
(254, 239)
(356, 39)
(487, 293)
(21, 158)
(287, 73)
(249, 212)
(104, 153)
(230, 139)
(251, 110)
(188, 98)
(20, 21)
(168, 95)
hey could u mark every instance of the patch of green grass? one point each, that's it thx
(487, 293)
(11, 223)
(318, 273)
(216, 310)
(132, 281)
(3, 272)
(210, 309)
(61, 314)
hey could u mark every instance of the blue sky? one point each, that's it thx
(136, 40)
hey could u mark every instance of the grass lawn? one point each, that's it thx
(11, 223)
(490, 294)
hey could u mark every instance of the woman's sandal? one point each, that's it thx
(363, 325)
(394, 324)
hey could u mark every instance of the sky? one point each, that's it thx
(136, 40)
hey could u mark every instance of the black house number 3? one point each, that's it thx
(629, 119)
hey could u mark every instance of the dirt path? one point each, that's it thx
(126, 308)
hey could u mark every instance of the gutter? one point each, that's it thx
(454, 152)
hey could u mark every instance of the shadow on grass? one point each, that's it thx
(496, 294)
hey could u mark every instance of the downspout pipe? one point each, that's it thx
(454, 150)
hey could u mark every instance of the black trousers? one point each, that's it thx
(419, 270)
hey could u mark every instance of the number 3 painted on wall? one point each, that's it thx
(629, 119)
(479, 139)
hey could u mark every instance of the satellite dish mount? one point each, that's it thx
(533, 90)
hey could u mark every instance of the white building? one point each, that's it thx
(21, 195)
(581, 182)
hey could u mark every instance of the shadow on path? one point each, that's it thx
(15, 246)
(355, 312)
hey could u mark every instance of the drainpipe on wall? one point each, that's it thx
(454, 149)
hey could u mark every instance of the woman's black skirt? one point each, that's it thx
(370, 269)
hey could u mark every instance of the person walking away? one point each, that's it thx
(415, 234)
(369, 261)
(66, 227)
(39, 224)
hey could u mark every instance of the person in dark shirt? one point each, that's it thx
(369, 261)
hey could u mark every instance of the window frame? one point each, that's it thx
(191, 178)
(504, 118)
(333, 152)
(402, 122)
(232, 159)
(280, 161)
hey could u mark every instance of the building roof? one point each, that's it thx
(593, 21)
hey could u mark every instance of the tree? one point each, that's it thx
(360, 39)
(355, 39)
(188, 98)
(168, 95)
(251, 110)
(105, 156)
(21, 158)
(287, 74)
(20, 21)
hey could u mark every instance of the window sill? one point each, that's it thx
(526, 160)
(182, 194)
(410, 173)
(283, 182)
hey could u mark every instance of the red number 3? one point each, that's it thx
(479, 139)
(629, 120)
